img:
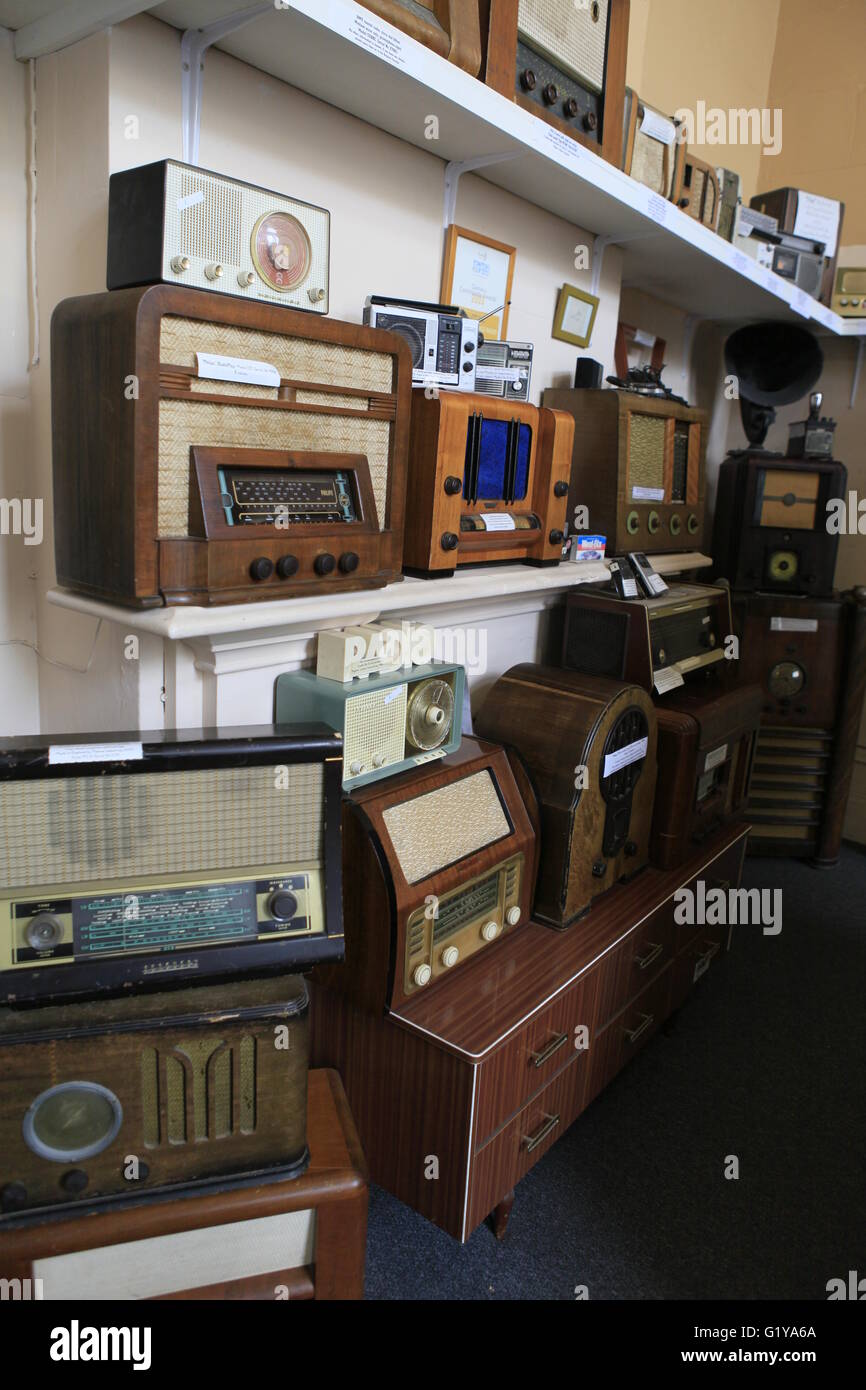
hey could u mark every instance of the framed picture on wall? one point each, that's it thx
(575, 316)
(477, 274)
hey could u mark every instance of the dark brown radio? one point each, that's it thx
(450, 27)
(590, 746)
(126, 1098)
(213, 450)
(770, 527)
(563, 62)
(638, 467)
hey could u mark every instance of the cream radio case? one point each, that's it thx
(388, 723)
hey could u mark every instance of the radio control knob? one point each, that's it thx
(43, 932)
(570, 108)
(556, 537)
(560, 489)
(709, 639)
(490, 931)
(692, 524)
(356, 769)
(245, 279)
(287, 565)
(661, 656)
(599, 868)
(316, 295)
(550, 94)
(282, 906)
(13, 1196)
(421, 974)
(590, 121)
(513, 916)
(74, 1181)
(213, 271)
(449, 540)
(378, 759)
(180, 264)
(528, 80)
(262, 568)
(324, 564)
(349, 562)
(450, 956)
(452, 485)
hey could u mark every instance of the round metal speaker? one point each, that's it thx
(74, 1120)
(786, 678)
(783, 566)
(430, 715)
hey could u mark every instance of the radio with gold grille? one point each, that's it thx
(638, 466)
(590, 746)
(212, 451)
(696, 191)
(123, 1099)
(164, 858)
(652, 153)
(438, 864)
(450, 28)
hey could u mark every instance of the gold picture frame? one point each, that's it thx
(569, 317)
(477, 275)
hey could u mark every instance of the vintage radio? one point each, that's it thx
(638, 466)
(813, 437)
(655, 642)
(817, 219)
(388, 723)
(651, 152)
(697, 191)
(504, 370)
(187, 226)
(450, 27)
(809, 657)
(564, 62)
(443, 342)
(590, 747)
(730, 200)
(706, 740)
(488, 480)
(126, 1099)
(163, 858)
(794, 258)
(442, 864)
(208, 451)
(849, 294)
(771, 522)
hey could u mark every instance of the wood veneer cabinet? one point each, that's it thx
(475, 1083)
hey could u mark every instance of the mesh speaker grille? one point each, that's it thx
(595, 642)
(210, 228)
(374, 726)
(183, 423)
(191, 1097)
(568, 35)
(71, 829)
(297, 359)
(648, 163)
(445, 825)
(646, 459)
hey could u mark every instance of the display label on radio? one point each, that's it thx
(632, 753)
(115, 923)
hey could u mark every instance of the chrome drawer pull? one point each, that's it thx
(713, 948)
(532, 1141)
(634, 1033)
(539, 1058)
(644, 962)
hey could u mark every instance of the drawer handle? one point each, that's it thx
(644, 962)
(634, 1033)
(532, 1141)
(713, 948)
(539, 1058)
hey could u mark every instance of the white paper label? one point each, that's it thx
(802, 303)
(216, 368)
(657, 208)
(648, 494)
(393, 694)
(378, 38)
(793, 624)
(741, 262)
(668, 678)
(717, 756)
(656, 583)
(658, 127)
(190, 201)
(818, 219)
(632, 753)
(644, 339)
(95, 753)
(498, 374)
(499, 521)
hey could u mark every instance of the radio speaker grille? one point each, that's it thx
(296, 359)
(646, 459)
(210, 228)
(375, 726)
(648, 163)
(203, 1089)
(573, 36)
(73, 829)
(595, 642)
(445, 825)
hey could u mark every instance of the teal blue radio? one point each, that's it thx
(388, 723)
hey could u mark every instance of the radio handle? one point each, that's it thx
(532, 1141)
(539, 1058)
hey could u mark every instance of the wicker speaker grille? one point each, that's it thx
(375, 724)
(648, 163)
(74, 829)
(445, 825)
(646, 460)
(574, 37)
(296, 359)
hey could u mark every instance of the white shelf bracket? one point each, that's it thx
(454, 170)
(600, 245)
(855, 379)
(194, 45)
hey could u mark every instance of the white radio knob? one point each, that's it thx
(490, 931)
(450, 956)
(421, 974)
(356, 769)
(213, 271)
(378, 759)
(179, 264)
(512, 916)
(316, 295)
(245, 278)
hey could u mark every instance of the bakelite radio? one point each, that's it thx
(651, 151)
(849, 292)
(563, 62)
(590, 746)
(122, 1100)
(488, 480)
(438, 865)
(450, 27)
(208, 450)
(638, 466)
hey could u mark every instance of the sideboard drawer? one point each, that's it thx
(724, 872)
(636, 963)
(694, 962)
(629, 1032)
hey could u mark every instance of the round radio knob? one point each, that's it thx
(560, 489)
(550, 94)
(324, 564)
(556, 537)
(692, 524)
(74, 1181)
(450, 956)
(282, 905)
(213, 271)
(349, 562)
(421, 974)
(43, 932)
(676, 525)
(709, 639)
(245, 279)
(13, 1196)
(528, 80)
(449, 540)
(452, 485)
(632, 523)
(287, 565)
(654, 521)
(599, 868)
(180, 264)
(490, 931)
(513, 916)
(356, 769)
(570, 108)
(590, 121)
(316, 295)
(434, 716)
(262, 568)
(661, 656)
(378, 759)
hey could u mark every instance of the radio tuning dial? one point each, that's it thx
(43, 932)
(512, 916)
(213, 271)
(245, 278)
(450, 956)
(421, 974)
(180, 264)
(282, 906)
(490, 931)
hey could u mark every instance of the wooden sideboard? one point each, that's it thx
(459, 1093)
